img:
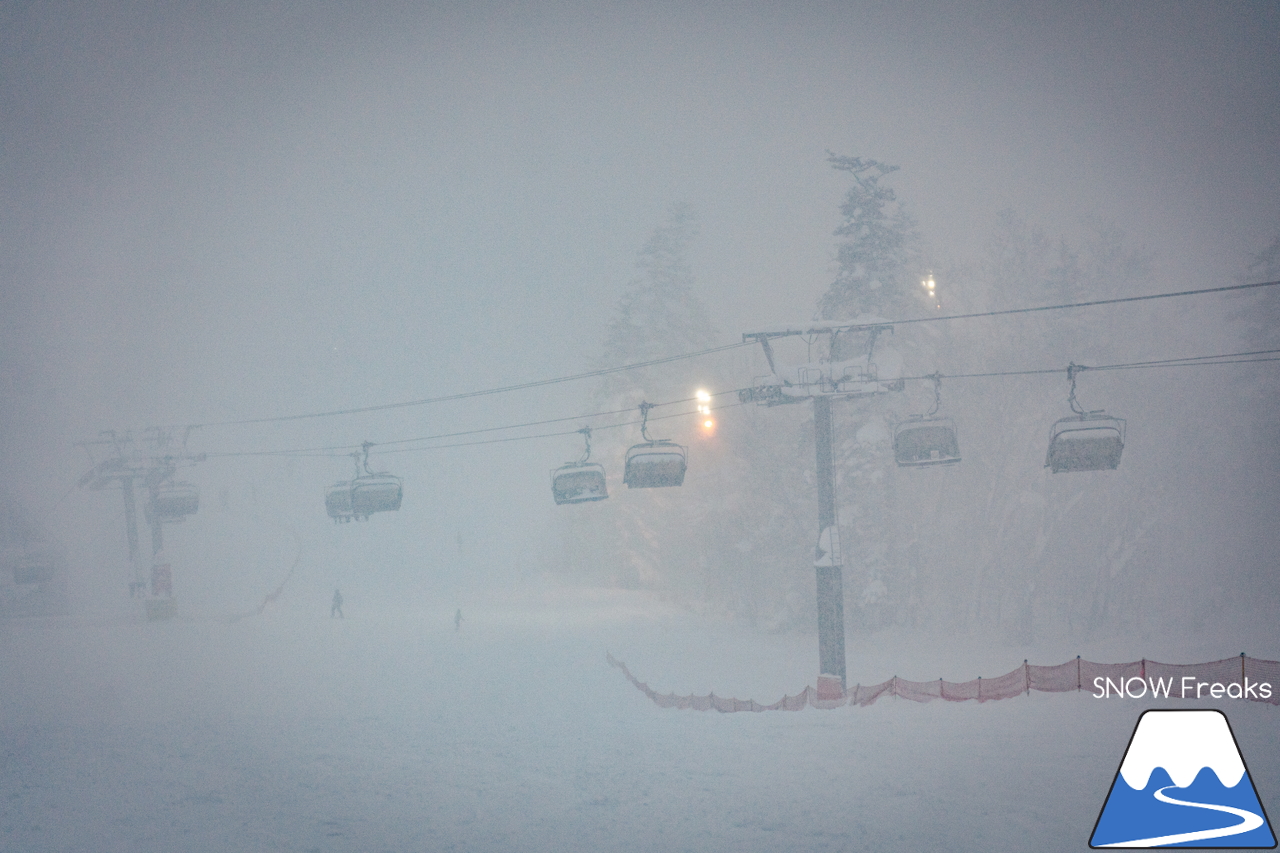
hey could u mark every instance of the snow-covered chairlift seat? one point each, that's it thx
(174, 501)
(377, 493)
(925, 441)
(578, 482)
(1089, 442)
(337, 501)
(655, 464)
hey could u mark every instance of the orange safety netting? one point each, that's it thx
(1138, 679)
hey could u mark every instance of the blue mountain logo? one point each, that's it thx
(1183, 783)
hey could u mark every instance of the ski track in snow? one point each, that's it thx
(389, 732)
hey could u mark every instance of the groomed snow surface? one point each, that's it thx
(389, 731)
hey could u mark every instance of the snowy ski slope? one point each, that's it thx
(388, 731)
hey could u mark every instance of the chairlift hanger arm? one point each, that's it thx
(1073, 370)
(644, 419)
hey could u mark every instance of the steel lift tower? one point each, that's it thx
(167, 501)
(854, 367)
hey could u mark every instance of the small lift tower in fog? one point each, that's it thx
(168, 501)
(855, 368)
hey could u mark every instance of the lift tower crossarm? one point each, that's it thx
(874, 372)
(861, 323)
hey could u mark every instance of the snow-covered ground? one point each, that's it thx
(388, 731)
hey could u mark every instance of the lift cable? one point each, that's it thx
(348, 447)
(1252, 357)
(333, 452)
(344, 449)
(1189, 361)
(568, 432)
(1089, 304)
(1235, 358)
(465, 395)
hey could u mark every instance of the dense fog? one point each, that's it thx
(239, 242)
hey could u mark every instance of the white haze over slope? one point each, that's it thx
(389, 731)
(226, 211)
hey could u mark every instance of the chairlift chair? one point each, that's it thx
(581, 481)
(578, 482)
(925, 439)
(657, 463)
(337, 501)
(174, 501)
(1091, 441)
(368, 493)
(375, 493)
(1085, 441)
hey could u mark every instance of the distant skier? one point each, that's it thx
(457, 621)
(336, 608)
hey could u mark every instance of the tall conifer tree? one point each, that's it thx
(877, 267)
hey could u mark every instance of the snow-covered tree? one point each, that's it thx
(628, 540)
(1041, 553)
(878, 272)
(659, 314)
(735, 538)
(878, 255)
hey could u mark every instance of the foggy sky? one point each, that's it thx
(216, 212)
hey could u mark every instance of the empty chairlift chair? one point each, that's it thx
(657, 463)
(1086, 441)
(578, 482)
(1091, 441)
(581, 481)
(926, 440)
(173, 502)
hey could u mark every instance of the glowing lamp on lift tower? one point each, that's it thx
(930, 288)
(706, 423)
